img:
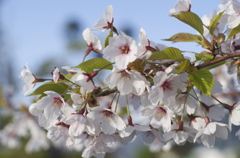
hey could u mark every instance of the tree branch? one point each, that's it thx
(225, 57)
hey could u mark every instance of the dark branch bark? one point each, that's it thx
(225, 57)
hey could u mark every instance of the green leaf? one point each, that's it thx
(184, 37)
(168, 53)
(96, 63)
(191, 19)
(106, 42)
(234, 31)
(203, 80)
(185, 65)
(200, 56)
(58, 87)
(68, 76)
(214, 22)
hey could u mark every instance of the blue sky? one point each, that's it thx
(35, 29)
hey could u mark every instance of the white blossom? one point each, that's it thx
(166, 87)
(107, 21)
(160, 116)
(127, 81)
(56, 75)
(52, 105)
(92, 40)
(122, 50)
(27, 77)
(79, 124)
(210, 131)
(84, 81)
(107, 120)
(182, 5)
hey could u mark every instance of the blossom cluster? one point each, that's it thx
(153, 90)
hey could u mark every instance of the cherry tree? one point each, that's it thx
(182, 98)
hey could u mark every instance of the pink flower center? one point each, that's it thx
(124, 73)
(107, 113)
(161, 112)
(166, 85)
(125, 49)
(57, 101)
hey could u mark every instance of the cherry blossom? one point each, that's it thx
(122, 50)
(180, 135)
(166, 88)
(234, 18)
(52, 105)
(151, 135)
(108, 121)
(100, 145)
(146, 46)
(160, 116)
(184, 101)
(59, 132)
(27, 77)
(182, 5)
(210, 131)
(92, 40)
(56, 75)
(127, 81)
(107, 21)
(79, 124)
(234, 115)
(81, 78)
(42, 120)
(171, 97)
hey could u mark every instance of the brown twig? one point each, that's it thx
(225, 57)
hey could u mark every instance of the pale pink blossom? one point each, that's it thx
(234, 114)
(180, 135)
(198, 123)
(210, 131)
(79, 124)
(160, 116)
(42, 120)
(81, 78)
(166, 87)
(106, 22)
(92, 40)
(122, 50)
(107, 120)
(77, 98)
(59, 133)
(183, 101)
(182, 5)
(27, 77)
(51, 105)
(56, 75)
(151, 135)
(127, 81)
(100, 145)
(234, 18)
(146, 46)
